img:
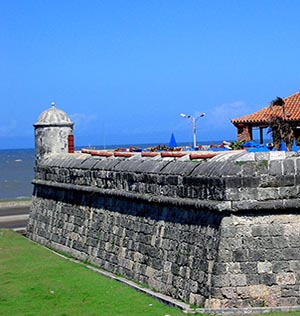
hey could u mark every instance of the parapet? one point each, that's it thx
(232, 181)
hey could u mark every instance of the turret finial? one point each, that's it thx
(53, 104)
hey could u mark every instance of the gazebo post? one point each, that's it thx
(261, 135)
(244, 132)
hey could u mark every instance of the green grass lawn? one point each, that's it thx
(34, 281)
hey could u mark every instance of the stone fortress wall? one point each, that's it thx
(218, 233)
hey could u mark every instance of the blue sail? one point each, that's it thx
(172, 142)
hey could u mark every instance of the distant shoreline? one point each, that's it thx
(15, 203)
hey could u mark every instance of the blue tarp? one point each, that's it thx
(283, 146)
(295, 147)
(251, 143)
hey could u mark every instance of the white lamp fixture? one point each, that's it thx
(194, 121)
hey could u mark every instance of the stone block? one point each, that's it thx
(229, 169)
(89, 163)
(294, 266)
(227, 255)
(281, 242)
(290, 291)
(262, 156)
(232, 182)
(250, 181)
(183, 168)
(277, 155)
(288, 301)
(233, 267)
(260, 230)
(294, 241)
(220, 268)
(246, 157)
(267, 279)
(279, 266)
(228, 232)
(276, 168)
(196, 299)
(288, 278)
(291, 254)
(238, 280)
(213, 303)
(107, 164)
(264, 194)
(248, 169)
(221, 280)
(243, 292)
(276, 230)
(248, 267)
(256, 255)
(274, 254)
(228, 292)
(129, 165)
(259, 291)
(289, 167)
(288, 180)
(264, 267)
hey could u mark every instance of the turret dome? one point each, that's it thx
(53, 133)
(53, 116)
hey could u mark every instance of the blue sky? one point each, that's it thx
(125, 70)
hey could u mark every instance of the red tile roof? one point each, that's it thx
(292, 109)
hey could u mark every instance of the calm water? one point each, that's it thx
(16, 173)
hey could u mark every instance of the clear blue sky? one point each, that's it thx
(125, 70)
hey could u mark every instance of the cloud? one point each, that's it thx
(217, 122)
(224, 113)
(227, 111)
(83, 121)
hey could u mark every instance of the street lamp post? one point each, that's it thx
(194, 121)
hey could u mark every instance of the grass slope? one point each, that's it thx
(33, 281)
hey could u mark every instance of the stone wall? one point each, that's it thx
(168, 249)
(219, 233)
(258, 261)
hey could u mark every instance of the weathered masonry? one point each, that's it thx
(218, 233)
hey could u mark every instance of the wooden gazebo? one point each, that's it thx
(261, 119)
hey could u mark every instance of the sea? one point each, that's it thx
(16, 173)
(16, 170)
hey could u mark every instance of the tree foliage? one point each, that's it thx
(279, 126)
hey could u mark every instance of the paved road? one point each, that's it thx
(14, 217)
